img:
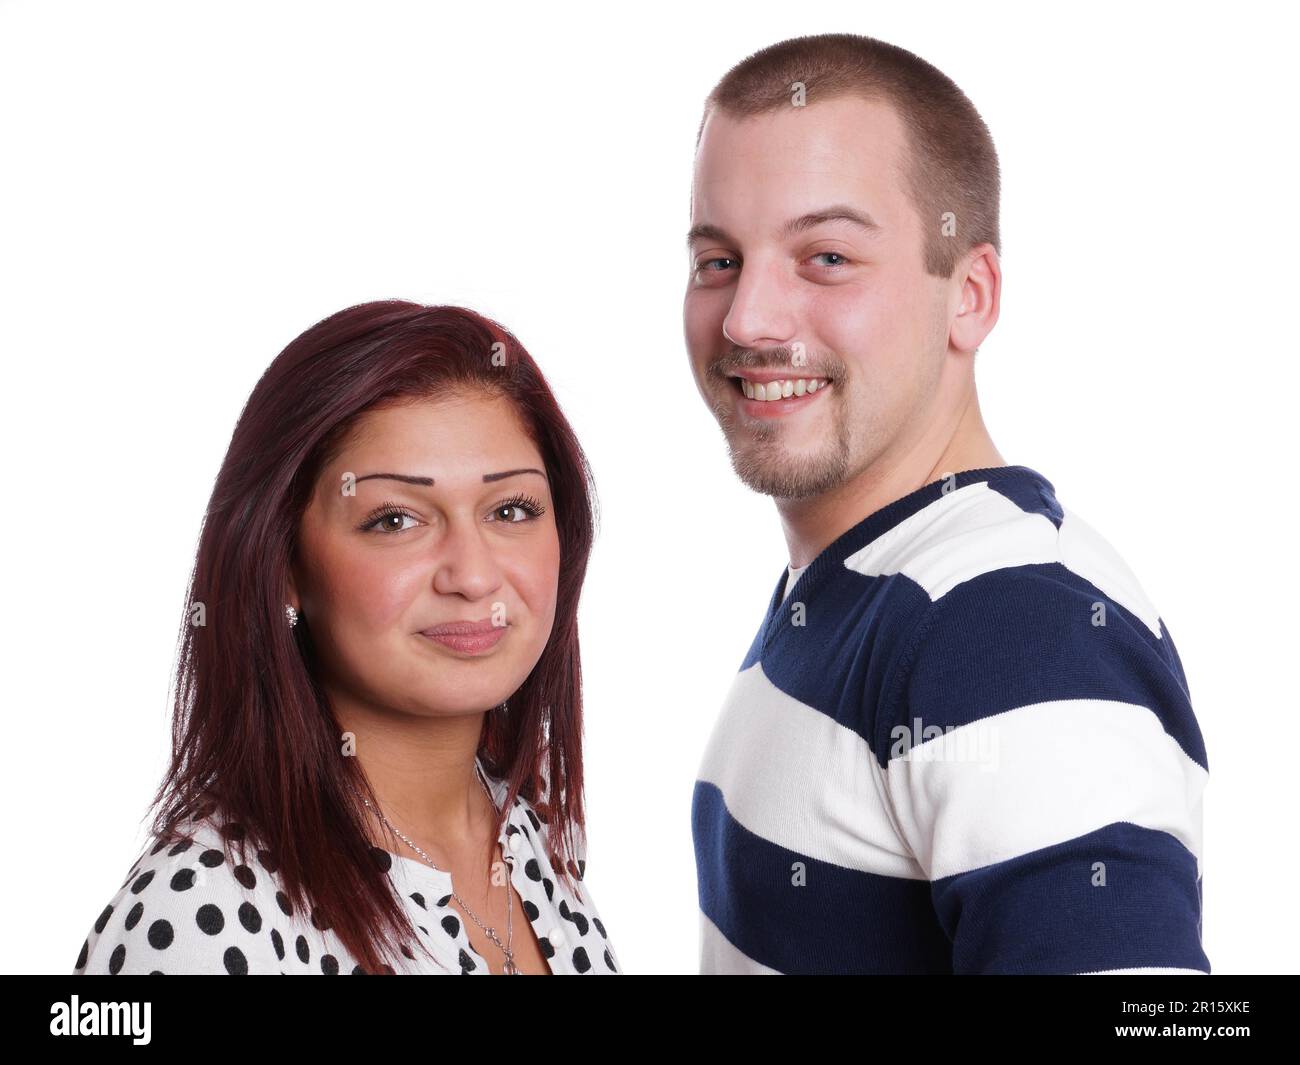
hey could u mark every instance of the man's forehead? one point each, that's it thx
(844, 150)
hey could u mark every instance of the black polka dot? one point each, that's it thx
(245, 876)
(319, 920)
(102, 919)
(548, 951)
(444, 900)
(211, 858)
(610, 962)
(300, 945)
(286, 907)
(210, 919)
(156, 972)
(407, 951)
(549, 886)
(531, 910)
(581, 921)
(158, 846)
(268, 861)
(451, 925)
(580, 960)
(358, 971)
(180, 848)
(532, 870)
(419, 900)
(599, 927)
(467, 964)
(235, 962)
(116, 959)
(382, 858)
(250, 918)
(182, 881)
(161, 934)
(133, 918)
(142, 882)
(278, 943)
(329, 965)
(81, 958)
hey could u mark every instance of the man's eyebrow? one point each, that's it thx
(407, 478)
(839, 212)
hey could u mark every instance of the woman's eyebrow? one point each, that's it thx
(407, 478)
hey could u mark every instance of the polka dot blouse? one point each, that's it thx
(183, 909)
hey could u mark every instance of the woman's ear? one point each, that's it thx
(291, 596)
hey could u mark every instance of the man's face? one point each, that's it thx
(770, 297)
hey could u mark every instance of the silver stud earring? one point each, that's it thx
(291, 614)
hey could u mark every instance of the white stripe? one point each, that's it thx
(719, 956)
(1146, 972)
(1060, 770)
(975, 530)
(1084, 551)
(798, 778)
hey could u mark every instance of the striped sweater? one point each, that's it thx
(962, 743)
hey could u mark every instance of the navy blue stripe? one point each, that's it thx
(1025, 635)
(1025, 487)
(840, 921)
(1042, 913)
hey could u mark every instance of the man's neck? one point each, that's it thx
(962, 443)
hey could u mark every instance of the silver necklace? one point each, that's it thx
(506, 948)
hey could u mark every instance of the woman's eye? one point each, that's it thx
(390, 522)
(525, 508)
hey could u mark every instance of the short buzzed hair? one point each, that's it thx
(952, 164)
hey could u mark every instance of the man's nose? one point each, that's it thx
(761, 314)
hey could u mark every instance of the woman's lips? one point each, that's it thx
(469, 638)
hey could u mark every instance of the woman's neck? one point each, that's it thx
(423, 773)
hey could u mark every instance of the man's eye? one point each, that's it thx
(707, 265)
(833, 254)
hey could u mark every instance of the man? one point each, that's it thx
(962, 740)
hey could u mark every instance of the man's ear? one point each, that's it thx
(980, 299)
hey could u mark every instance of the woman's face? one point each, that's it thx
(428, 516)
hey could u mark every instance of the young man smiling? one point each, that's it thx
(961, 740)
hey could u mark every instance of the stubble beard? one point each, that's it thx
(763, 464)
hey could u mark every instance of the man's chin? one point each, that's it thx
(787, 479)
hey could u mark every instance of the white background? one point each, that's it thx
(187, 187)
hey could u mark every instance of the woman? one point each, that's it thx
(379, 675)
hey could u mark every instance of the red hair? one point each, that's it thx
(253, 734)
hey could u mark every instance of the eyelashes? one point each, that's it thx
(388, 511)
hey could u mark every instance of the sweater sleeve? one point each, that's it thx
(1046, 770)
(185, 911)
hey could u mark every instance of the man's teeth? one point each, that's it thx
(796, 386)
